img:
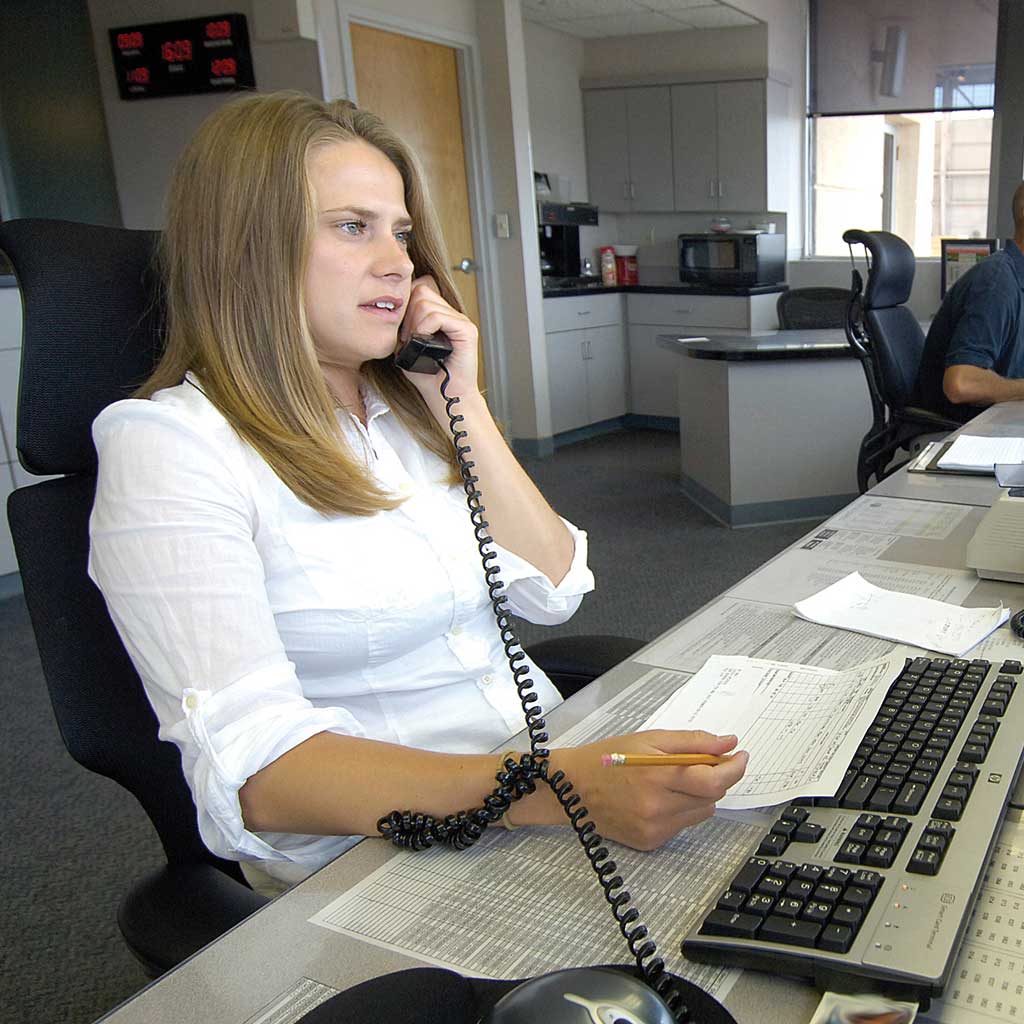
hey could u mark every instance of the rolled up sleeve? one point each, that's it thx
(533, 596)
(172, 550)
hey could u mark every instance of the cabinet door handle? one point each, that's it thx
(711, 188)
(590, 354)
(632, 191)
(682, 311)
(584, 312)
(721, 190)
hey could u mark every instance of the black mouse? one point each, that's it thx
(581, 995)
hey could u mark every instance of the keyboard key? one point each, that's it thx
(858, 897)
(826, 893)
(808, 832)
(773, 845)
(940, 828)
(1013, 667)
(783, 869)
(973, 752)
(788, 907)
(948, 810)
(952, 792)
(910, 798)
(924, 862)
(851, 852)
(731, 899)
(845, 914)
(782, 827)
(882, 798)
(871, 821)
(724, 922)
(930, 841)
(835, 938)
(880, 856)
(750, 874)
(817, 912)
(961, 779)
(792, 932)
(896, 823)
(794, 813)
(810, 873)
(759, 904)
(771, 886)
(800, 889)
(870, 880)
(889, 837)
(862, 835)
(838, 876)
(859, 793)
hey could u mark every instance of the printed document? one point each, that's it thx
(854, 603)
(523, 903)
(973, 454)
(929, 520)
(801, 725)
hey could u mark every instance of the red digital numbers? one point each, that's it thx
(129, 40)
(177, 50)
(223, 67)
(138, 76)
(218, 30)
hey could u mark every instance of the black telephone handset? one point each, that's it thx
(423, 353)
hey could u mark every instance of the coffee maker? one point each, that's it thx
(559, 236)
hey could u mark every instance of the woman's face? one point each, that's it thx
(359, 272)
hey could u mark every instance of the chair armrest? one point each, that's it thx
(933, 420)
(173, 912)
(570, 662)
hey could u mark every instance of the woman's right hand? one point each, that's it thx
(644, 807)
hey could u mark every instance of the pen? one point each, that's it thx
(628, 760)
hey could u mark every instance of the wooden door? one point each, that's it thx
(414, 86)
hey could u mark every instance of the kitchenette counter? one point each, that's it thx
(662, 288)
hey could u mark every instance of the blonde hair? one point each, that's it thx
(240, 220)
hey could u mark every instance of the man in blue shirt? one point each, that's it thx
(974, 354)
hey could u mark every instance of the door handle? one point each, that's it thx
(721, 190)
(711, 188)
(466, 265)
(632, 191)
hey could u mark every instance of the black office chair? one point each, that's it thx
(91, 335)
(887, 339)
(801, 309)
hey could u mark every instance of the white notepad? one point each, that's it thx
(974, 454)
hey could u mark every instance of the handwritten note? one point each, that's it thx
(854, 603)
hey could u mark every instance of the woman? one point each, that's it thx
(279, 532)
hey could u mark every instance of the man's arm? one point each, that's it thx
(972, 385)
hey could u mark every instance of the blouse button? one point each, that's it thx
(191, 702)
(486, 680)
(457, 631)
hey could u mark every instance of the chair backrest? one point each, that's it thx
(804, 308)
(896, 337)
(91, 334)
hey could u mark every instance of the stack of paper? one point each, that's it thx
(971, 454)
(853, 603)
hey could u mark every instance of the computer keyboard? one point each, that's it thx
(872, 889)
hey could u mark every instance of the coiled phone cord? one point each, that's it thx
(416, 831)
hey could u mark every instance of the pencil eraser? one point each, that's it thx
(606, 760)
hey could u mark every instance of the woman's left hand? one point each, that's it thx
(427, 313)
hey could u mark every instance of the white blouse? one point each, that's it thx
(255, 622)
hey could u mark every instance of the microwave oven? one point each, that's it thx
(737, 258)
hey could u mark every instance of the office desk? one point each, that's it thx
(1003, 420)
(769, 424)
(253, 965)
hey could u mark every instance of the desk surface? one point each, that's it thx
(266, 956)
(813, 344)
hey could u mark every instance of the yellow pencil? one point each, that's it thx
(631, 760)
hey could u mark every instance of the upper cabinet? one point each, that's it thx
(629, 148)
(695, 146)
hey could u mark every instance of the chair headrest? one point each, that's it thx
(91, 334)
(892, 267)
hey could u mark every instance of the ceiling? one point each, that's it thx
(593, 19)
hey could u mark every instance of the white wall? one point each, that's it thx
(554, 67)
(146, 136)
(725, 50)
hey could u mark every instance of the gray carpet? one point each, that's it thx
(71, 840)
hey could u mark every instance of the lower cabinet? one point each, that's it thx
(587, 376)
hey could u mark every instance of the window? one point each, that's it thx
(900, 108)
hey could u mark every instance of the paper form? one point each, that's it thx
(800, 572)
(987, 983)
(732, 626)
(854, 603)
(930, 520)
(980, 454)
(523, 903)
(801, 725)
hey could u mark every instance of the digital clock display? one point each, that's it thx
(177, 58)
